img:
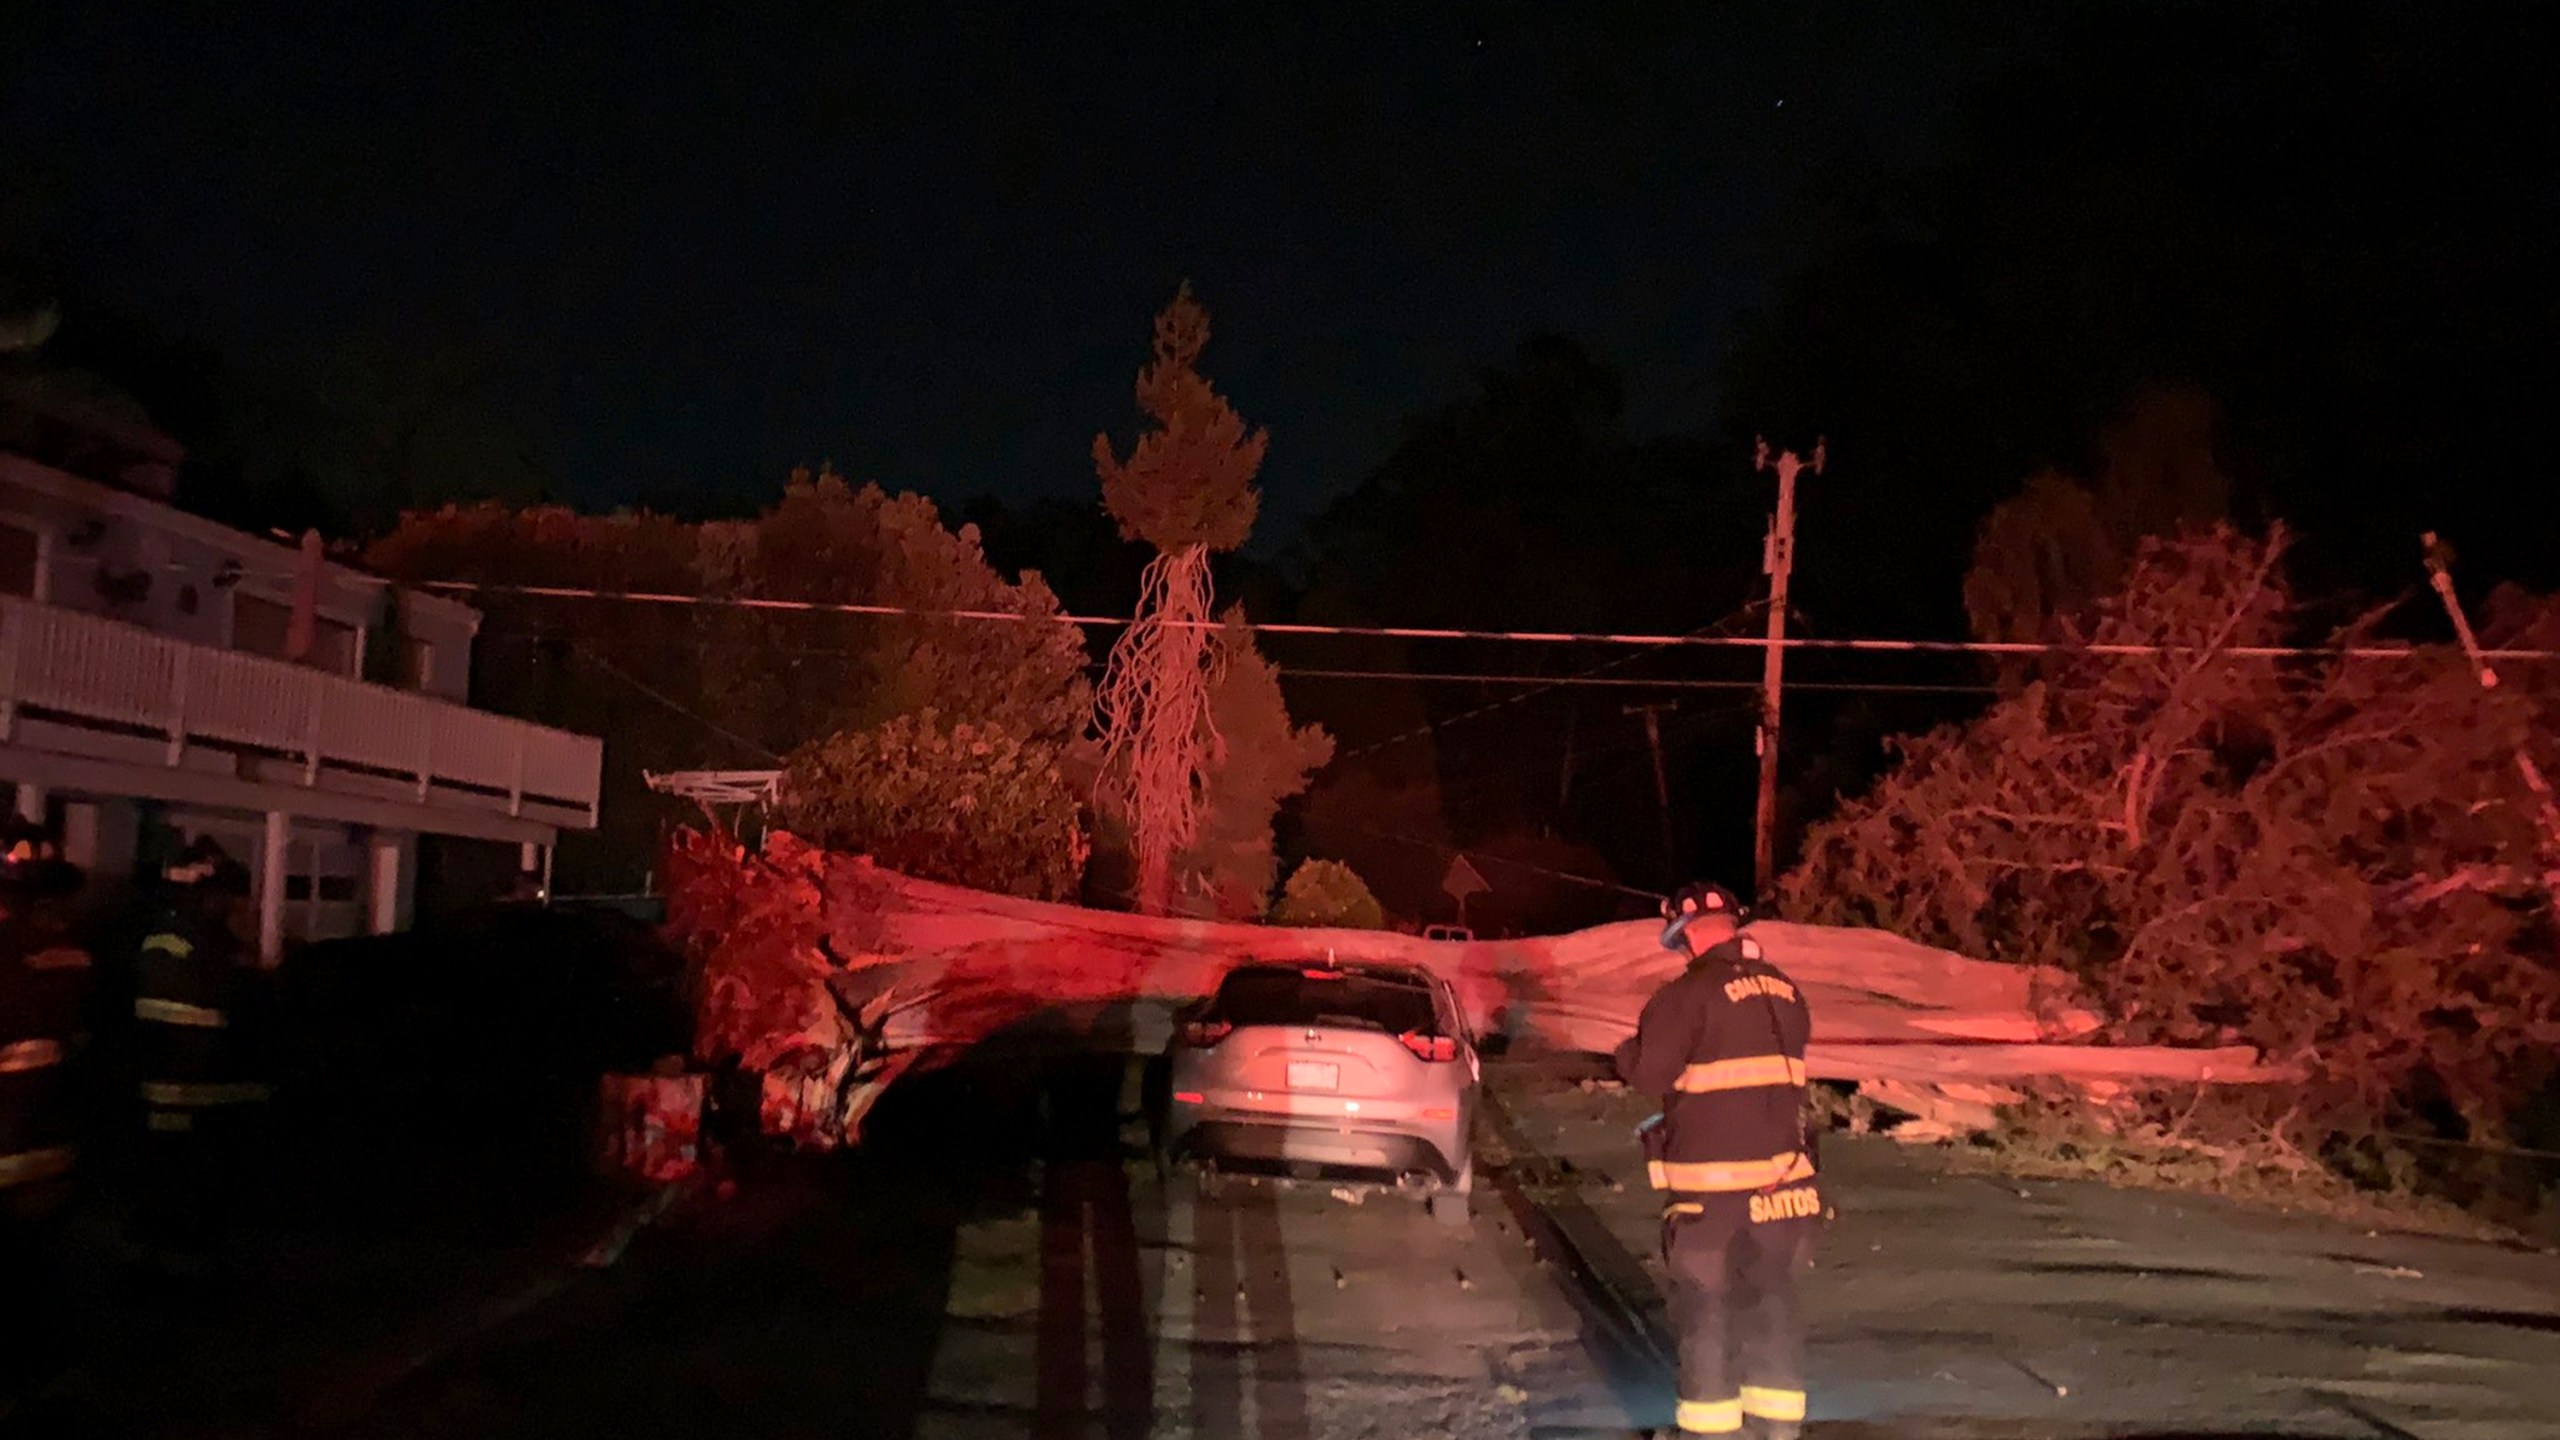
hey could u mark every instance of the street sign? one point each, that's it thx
(1463, 881)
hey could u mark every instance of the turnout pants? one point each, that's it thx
(191, 1164)
(1734, 1260)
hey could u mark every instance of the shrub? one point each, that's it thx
(968, 805)
(1328, 894)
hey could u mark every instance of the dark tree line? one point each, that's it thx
(2198, 262)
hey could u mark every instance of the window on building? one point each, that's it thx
(19, 551)
(262, 627)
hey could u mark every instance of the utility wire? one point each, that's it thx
(1694, 639)
(1592, 762)
(670, 702)
(1542, 683)
(1548, 682)
(1474, 857)
(1725, 626)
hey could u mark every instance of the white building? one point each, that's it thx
(144, 688)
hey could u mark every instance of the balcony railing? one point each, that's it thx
(106, 673)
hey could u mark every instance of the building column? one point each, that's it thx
(387, 881)
(31, 803)
(102, 837)
(311, 889)
(271, 875)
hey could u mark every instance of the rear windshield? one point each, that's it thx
(1292, 997)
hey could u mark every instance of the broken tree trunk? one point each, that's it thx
(827, 965)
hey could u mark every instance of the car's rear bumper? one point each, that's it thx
(1279, 1141)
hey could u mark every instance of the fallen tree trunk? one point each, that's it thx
(827, 966)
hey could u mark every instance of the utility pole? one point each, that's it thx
(1661, 784)
(2547, 810)
(1564, 775)
(1777, 559)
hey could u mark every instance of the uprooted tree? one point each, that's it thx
(1186, 489)
(2329, 857)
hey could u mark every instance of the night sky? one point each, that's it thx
(703, 250)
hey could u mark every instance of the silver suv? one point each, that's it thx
(1351, 1067)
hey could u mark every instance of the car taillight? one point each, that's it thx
(1439, 1049)
(1201, 1034)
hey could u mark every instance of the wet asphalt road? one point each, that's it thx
(1001, 1260)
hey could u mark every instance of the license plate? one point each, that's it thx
(1314, 1075)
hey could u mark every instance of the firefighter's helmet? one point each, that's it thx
(1694, 902)
(205, 863)
(31, 862)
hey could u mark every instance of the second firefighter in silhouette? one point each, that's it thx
(194, 1023)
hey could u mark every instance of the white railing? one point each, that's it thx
(108, 672)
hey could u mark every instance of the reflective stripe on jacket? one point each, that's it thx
(19, 1056)
(29, 1166)
(1713, 1177)
(178, 1012)
(44, 996)
(195, 1095)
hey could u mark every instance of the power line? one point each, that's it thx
(1473, 856)
(670, 702)
(1542, 683)
(1693, 640)
(1551, 682)
(1592, 760)
(1461, 792)
(1453, 796)
(1726, 625)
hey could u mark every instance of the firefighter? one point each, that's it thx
(44, 981)
(193, 1067)
(1723, 1045)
